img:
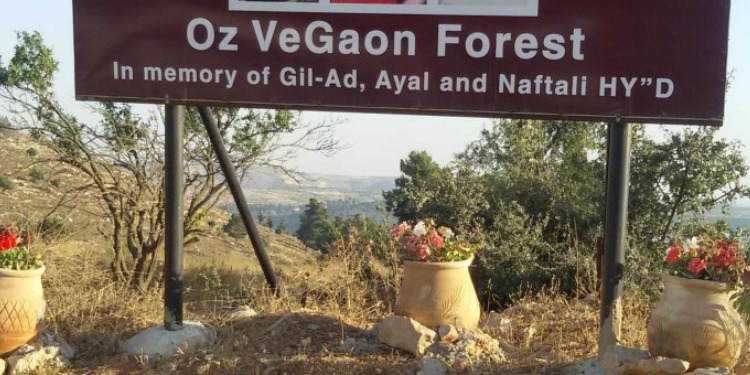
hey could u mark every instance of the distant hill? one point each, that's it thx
(280, 198)
(738, 216)
(266, 178)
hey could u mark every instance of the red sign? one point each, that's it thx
(658, 61)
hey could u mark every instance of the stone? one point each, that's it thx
(241, 312)
(495, 321)
(471, 347)
(711, 371)
(433, 366)
(448, 334)
(158, 341)
(591, 366)
(405, 334)
(47, 349)
(655, 366)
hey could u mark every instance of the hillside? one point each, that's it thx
(45, 189)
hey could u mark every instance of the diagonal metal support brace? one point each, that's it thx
(239, 197)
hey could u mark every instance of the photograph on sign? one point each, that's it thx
(521, 8)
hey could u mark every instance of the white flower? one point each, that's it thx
(692, 244)
(448, 234)
(420, 229)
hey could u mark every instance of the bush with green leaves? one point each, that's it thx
(519, 260)
(36, 175)
(6, 183)
(235, 227)
(31, 152)
(54, 227)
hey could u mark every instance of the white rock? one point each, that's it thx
(47, 349)
(405, 334)
(655, 366)
(591, 366)
(157, 341)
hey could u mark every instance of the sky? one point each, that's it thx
(375, 143)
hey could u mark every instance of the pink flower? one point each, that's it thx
(423, 251)
(399, 230)
(435, 240)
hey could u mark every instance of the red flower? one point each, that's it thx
(8, 241)
(673, 254)
(697, 265)
(725, 253)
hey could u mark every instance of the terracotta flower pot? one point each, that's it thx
(435, 293)
(22, 307)
(696, 321)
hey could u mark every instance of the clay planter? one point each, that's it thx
(435, 293)
(22, 307)
(695, 321)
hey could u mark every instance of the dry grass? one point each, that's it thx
(300, 331)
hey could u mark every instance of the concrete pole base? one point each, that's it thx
(160, 342)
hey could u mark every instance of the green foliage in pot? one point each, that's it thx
(14, 250)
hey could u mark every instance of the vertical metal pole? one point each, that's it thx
(174, 183)
(615, 230)
(239, 197)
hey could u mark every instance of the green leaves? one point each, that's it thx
(32, 66)
(316, 228)
(18, 258)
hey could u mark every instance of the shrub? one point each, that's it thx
(6, 183)
(521, 260)
(55, 182)
(31, 152)
(54, 227)
(36, 175)
(235, 227)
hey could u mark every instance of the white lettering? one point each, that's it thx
(370, 45)
(264, 40)
(226, 42)
(526, 46)
(444, 39)
(209, 34)
(327, 40)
